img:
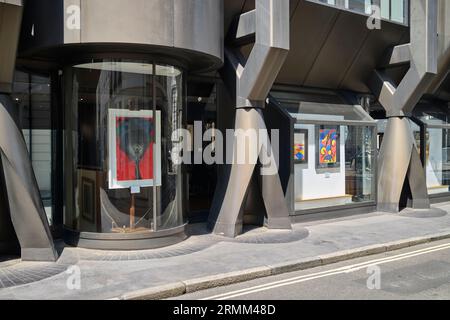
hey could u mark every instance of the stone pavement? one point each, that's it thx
(206, 260)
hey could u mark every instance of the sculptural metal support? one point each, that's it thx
(399, 161)
(269, 23)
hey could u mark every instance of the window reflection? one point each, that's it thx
(32, 94)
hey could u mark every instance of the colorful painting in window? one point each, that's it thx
(328, 146)
(132, 136)
(301, 146)
(299, 152)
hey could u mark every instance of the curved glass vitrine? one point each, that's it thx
(123, 191)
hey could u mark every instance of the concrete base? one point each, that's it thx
(38, 254)
(229, 230)
(423, 213)
(278, 223)
(306, 204)
(131, 241)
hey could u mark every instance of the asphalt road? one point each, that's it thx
(419, 272)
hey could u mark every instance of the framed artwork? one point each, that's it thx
(134, 148)
(301, 146)
(88, 199)
(328, 155)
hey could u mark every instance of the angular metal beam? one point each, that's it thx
(20, 189)
(253, 82)
(246, 25)
(27, 211)
(400, 54)
(399, 161)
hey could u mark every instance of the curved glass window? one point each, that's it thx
(119, 120)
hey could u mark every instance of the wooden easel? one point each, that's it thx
(132, 211)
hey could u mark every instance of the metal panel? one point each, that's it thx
(10, 18)
(198, 26)
(191, 30)
(325, 54)
(443, 46)
(338, 52)
(135, 21)
(310, 26)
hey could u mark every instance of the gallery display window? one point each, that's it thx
(432, 137)
(119, 173)
(334, 155)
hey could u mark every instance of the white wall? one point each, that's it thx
(310, 184)
(434, 164)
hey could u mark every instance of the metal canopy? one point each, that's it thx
(330, 48)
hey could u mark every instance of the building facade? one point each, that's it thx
(96, 94)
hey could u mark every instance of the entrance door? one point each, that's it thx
(201, 178)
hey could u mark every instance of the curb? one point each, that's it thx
(192, 285)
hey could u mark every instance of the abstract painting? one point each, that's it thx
(299, 152)
(328, 149)
(301, 146)
(132, 136)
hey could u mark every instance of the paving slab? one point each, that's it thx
(206, 260)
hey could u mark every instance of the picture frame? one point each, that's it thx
(88, 199)
(328, 154)
(301, 146)
(134, 159)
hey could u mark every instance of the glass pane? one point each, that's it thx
(393, 10)
(385, 8)
(437, 159)
(119, 127)
(356, 5)
(32, 94)
(334, 165)
(397, 11)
